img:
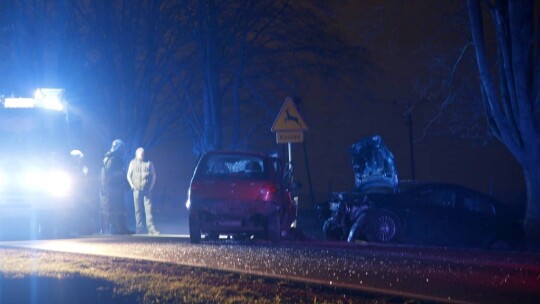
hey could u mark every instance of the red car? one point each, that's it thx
(239, 194)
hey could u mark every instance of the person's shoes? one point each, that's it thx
(153, 232)
(139, 231)
(122, 231)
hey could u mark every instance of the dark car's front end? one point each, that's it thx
(375, 173)
(341, 212)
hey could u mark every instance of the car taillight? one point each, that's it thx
(267, 192)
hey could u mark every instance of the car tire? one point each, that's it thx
(274, 228)
(213, 236)
(330, 232)
(47, 228)
(383, 226)
(194, 229)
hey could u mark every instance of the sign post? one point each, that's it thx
(289, 127)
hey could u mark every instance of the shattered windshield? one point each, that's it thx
(373, 164)
(26, 130)
(233, 165)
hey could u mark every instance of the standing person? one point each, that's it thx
(112, 190)
(142, 177)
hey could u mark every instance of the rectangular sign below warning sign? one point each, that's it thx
(289, 137)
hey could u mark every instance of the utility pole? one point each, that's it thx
(411, 139)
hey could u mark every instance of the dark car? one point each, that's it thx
(240, 194)
(382, 210)
(437, 214)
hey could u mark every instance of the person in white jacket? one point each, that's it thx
(141, 176)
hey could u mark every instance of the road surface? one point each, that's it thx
(431, 274)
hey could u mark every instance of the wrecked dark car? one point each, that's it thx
(383, 210)
(240, 194)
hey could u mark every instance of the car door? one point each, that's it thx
(283, 181)
(478, 222)
(427, 212)
(443, 206)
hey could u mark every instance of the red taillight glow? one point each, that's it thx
(267, 192)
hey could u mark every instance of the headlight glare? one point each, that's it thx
(54, 182)
(33, 180)
(58, 183)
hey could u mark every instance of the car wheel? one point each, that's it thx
(194, 229)
(330, 232)
(49, 227)
(383, 227)
(242, 237)
(274, 227)
(213, 236)
(46, 230)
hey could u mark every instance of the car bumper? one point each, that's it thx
(27, 205)
(232, 216)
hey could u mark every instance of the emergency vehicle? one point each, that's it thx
(42, 177)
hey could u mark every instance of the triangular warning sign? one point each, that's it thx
(289, 118)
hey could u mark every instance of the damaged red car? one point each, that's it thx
(240, 194)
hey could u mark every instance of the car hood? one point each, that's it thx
(374, 166)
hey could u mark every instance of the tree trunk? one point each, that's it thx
(510, 109)
(208, 139)
(532, 213)
(236, 101)
(212, 74)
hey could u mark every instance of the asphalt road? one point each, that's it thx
(432, 274)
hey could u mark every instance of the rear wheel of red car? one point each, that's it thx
(383, 227)
(194, 229)
(274, 227)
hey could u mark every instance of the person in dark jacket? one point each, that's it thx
(112, 190)
(142, 177)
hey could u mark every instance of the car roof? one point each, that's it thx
(414, 185)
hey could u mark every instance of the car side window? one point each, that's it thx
(419, 195)
(444, 198)
(477, 204)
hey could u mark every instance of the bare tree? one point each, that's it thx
(36, 38)
(511, 86)
(245, 54)
(130, 48)
(144, 70)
